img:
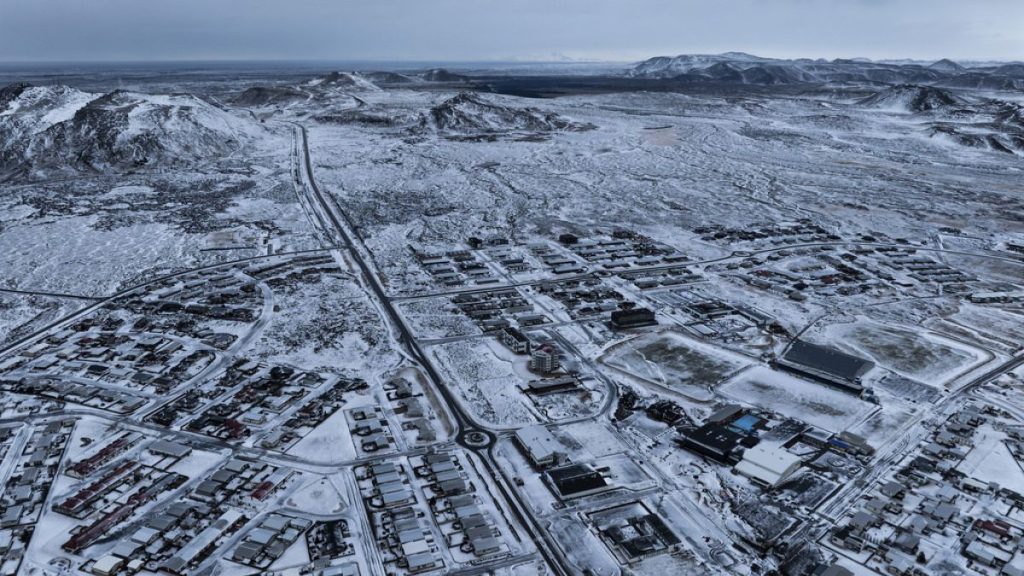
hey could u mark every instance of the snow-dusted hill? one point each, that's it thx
(60, 128)
(443, 75)
(947, 66)
(671, 66)
(344, 82)
(26, 110)
(469, 113)
(912, 98)
(389, 78)
(261, 96)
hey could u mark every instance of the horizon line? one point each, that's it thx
(509, 60)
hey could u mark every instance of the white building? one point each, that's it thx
(542, 448)
(768, 464)
(544, 360)
(107, 565)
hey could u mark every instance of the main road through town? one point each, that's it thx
(468, 434)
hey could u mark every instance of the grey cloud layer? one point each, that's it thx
(493, 29)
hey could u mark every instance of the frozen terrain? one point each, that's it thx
(514, 321)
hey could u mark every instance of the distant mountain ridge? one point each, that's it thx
(747, 69)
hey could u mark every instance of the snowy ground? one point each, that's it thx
(326, 324)
(487, 384)
(671, 360)
(926, 357)
(21, 314)
(816, 404)
(659, 164)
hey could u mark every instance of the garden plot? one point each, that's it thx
(915, 354)
(673, 361)
(816, 404)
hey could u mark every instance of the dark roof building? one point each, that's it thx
(515, 340)
(713, 440)
(633, 318)
(576, 481)
(826, 364)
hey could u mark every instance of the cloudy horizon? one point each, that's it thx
(489, 30)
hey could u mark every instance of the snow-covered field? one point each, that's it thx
(813, 403)
(487, 385)
(927, 357)
(829, 160)
(673, 361)
(21, 314)
(328, 324)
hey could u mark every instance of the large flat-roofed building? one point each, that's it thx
(826, 364)
(541, 447)
(544, 359)
(768, 464)
(168, 448)
(714, 440)
(515, 340)
(546, 386)
(577, 481)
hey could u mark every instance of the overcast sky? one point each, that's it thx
(476, 30)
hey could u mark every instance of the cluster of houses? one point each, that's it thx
(622, 249)
(91, 355)
(267, 541)
(450, 501)
(173, 538)
(558, 262)
(495, 310)
(821, 273)
(583, 297)
(25, 492)
(369, 428)
(413, 408)
(662, 277)
(930, 503)
(456, 268)
(314, 412)
(249, 396)
(456, 509)
(799, 231)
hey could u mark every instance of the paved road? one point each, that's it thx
(346, 231)
(49, 294)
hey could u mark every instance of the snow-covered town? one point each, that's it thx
(702, 314)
